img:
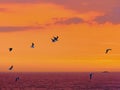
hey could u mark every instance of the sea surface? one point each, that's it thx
(59, 81)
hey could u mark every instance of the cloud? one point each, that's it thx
(3, 10)
(19, 1)
(86, 5)
(18, 28)
(56, 21)
(82, 6)
(78, 5)
(113, 17)
(67, 21)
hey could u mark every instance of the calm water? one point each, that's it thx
(59, 81)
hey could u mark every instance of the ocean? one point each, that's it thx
(60, 81)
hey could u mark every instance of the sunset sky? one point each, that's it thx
(86, 28)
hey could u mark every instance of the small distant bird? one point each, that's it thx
(91, 75)
(11, 67)
(54, 39)
(33, 45)
(17, 78)
(10, 49)
(107, 50)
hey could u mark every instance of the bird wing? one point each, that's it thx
(106, 51)
(11, 67)
(52, 40)
(10, 49)
(57, 37)
(32, 44)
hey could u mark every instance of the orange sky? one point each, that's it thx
(84, 35)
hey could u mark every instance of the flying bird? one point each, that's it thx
(33, 45)
(11, 67)
(54, 39)
(17, 78)
(107, 50)
(10, 49)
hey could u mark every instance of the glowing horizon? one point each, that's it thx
(84, 32)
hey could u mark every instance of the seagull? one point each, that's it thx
(33, 45)
(10, 49)
(91, 75)
(54, 39)
(107, 50)
(17, 78)
(11, 67)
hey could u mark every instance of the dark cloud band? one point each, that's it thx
(17, 28)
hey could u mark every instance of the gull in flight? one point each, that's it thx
(11, 67)
(107, 50)
(10, 49)
(33, 45)
(54, 39)
(17, 78)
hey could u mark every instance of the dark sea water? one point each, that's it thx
(59, 81)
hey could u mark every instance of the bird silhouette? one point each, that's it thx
(11, 67)
(33, 45)
(54, 39)
(17, 78)
(91, 75)
(10, 49)
(107, 50)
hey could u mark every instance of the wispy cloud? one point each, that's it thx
(67, 21)
(57, 21)
(19, 1)
(18, 28)
(79, 5)
(113, 17)
(3, 10)
(107, 6)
